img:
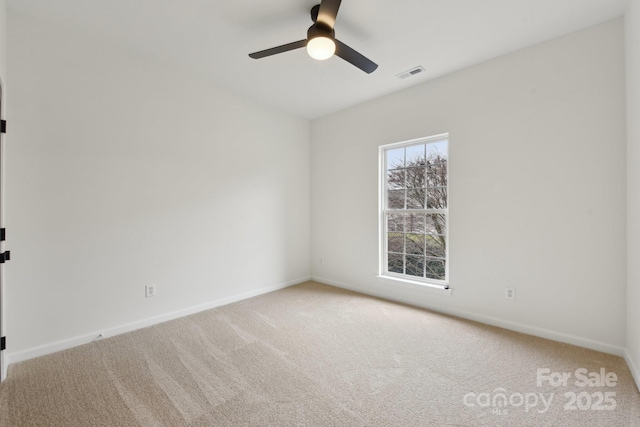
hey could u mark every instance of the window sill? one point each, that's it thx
(444, 288)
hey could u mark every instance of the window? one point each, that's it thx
(414, 216)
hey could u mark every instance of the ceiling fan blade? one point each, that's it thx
(355, 58)
(280, 49)
(328, 12)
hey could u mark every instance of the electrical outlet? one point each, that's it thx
(510, 294)
(150, 291)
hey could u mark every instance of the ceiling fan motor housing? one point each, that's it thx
(319, 30)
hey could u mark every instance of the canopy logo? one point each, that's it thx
(500, 402)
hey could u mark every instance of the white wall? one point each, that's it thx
(632, 26)
(125, 172)
(3, 39)
(537, 188)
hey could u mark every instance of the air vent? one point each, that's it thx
(412, 72)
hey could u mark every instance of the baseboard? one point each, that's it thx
(65, 344)
(493, 321)
(635, 372)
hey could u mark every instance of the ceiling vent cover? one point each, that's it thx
(412, 72)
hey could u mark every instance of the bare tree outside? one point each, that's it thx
(416, 206)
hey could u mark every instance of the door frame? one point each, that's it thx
(3, 357)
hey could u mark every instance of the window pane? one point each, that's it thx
(437, 198)
(416, 223)
(435, 246)
(395, 242)
(396, 199)
(415, 266)
(395, 263)
(435, 269)
(414, 244)
(416, 198)
(415, 155)
(437, 150)
(395, 158)
(437, 175)
(396, 179)
(436, 224)
(395, 222)
(416, 177)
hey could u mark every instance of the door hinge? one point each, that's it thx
(3, 343)
(3, 126)
(3, 234)
(5, 256)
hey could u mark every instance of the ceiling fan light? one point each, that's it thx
(321, 48)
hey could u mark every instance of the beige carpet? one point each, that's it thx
(313, 355)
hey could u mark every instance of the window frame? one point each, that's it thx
(384, 212)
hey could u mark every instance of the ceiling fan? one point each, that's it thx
(321, 42)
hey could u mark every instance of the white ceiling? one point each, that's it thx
(213, 38)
